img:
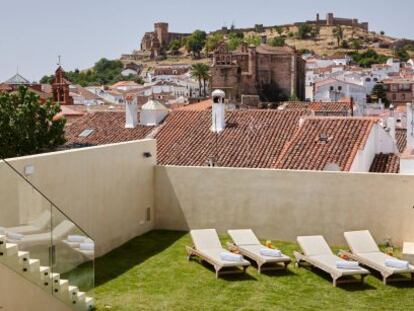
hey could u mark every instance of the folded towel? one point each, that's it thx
(76, 238)
(87, 246)
(270, 252)
(227, 256)
(347, 265)
(14, 236)
(396, 263)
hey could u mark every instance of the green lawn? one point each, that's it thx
(151, 272)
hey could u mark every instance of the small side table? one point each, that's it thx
(408, 252)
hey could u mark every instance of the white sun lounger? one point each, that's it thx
(249, 246)
(35, 226)
(57, 234)
(317, 253)
(365, 250)
(207, 247)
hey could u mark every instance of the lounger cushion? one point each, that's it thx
(205, 239)
(330, 261)
(379, 259)
(314, 245)
(214, 255)
(244, 237)
(361, 242)
(255, 249)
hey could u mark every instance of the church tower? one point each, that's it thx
(60, 88)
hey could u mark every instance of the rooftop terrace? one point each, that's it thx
(151, 272)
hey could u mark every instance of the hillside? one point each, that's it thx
(321, 40)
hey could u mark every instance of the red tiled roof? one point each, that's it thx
(331, 108)
(325, 140)
(252, 138)
(201, 106)
(108, 127)
(385, 163)
(401, 138)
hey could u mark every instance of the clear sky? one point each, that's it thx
(34, 33)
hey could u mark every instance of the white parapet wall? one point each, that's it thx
(285, 204)
(107, 190)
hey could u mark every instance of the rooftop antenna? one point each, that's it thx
(17, 69)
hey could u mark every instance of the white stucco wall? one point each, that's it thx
(105, 189)
(281, 205)
(379, 141)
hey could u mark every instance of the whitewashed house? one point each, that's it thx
(332, 90)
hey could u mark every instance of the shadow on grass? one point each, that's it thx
(279, 273)
(400, 280)
(133, 253)
(351, 287)
(227, 277)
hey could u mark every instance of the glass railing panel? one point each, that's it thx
(25, 221)
(74, 253)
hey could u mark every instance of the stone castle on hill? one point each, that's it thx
(156, 41)
(331, 20)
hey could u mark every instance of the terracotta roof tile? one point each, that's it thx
(385, 163)
(342, 108)
(108, 127)
(201, 106)
(401, 137)
(252, 138)
(325, 140)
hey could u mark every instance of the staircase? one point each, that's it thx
(43, 276)
(35, 242)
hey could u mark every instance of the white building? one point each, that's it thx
(331, 90)
(111, 96)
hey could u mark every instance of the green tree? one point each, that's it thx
(175, 46)
(339, 34)
(28, 126)
(195, 42)
(200, 72)
(278, 41)
(304, 31)
(235, 39)
(104, 72)
(382, 32)
(402, 54)
(279, 30)
(378, 92)
(368, 58)
(213, 41)
(356, 44)
(253, 40)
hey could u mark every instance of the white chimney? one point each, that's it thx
(218, 111)
(131, 112)
(391, 122)
(410, 126)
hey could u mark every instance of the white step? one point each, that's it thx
(42, 275)
(89, 303)
(31, 265)
(9, 249)
(54, 279)
(63, 286)
(44, 272)
(22, 255)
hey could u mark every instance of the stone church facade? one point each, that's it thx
(257, 70)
